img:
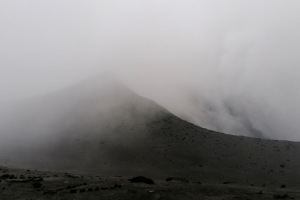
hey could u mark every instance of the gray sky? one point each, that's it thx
(227, 65)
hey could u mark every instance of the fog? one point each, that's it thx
(230, 66)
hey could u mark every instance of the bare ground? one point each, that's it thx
(31, 184)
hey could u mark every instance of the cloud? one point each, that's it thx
(231, 66)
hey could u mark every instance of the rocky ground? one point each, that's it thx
(31, 184)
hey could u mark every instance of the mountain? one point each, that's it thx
(101, 126)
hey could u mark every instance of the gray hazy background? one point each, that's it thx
(231, 66)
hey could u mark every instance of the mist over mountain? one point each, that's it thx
(96, 109)
(149, 99)
(230, 66)
(101, 126)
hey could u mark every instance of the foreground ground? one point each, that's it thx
(28, 184)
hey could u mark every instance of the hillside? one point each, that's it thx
(101, 126)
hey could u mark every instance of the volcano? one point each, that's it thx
(101, 126)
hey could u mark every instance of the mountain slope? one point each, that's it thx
(102, 126)
(70, 123)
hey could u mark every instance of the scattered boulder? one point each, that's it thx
(36, 178)
(285, 196)
(82, 190)
(141, 179)
(36, 184)
(7, 176)
(73, 191)
(132, 191)
(116, 186)
(183, 180)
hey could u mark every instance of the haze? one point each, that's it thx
(231, 66)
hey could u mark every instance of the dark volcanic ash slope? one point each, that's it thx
(101, 126)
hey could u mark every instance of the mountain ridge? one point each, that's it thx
(119, 132)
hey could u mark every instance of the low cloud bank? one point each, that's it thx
(225, 65)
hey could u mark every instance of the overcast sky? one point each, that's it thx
(230, 65)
